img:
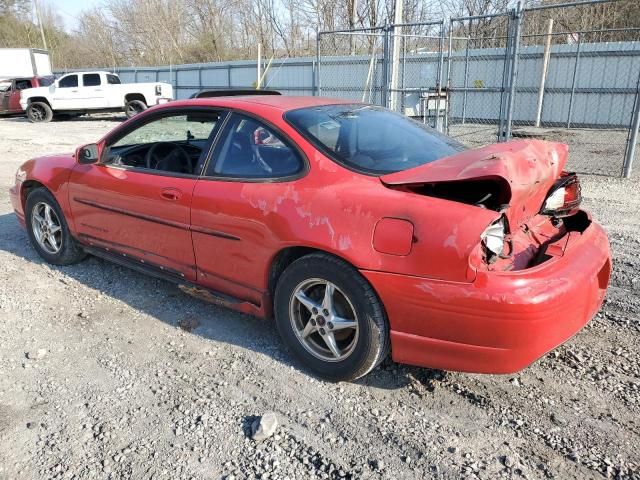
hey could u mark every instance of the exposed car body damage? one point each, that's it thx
(420, 236)
(519, 173)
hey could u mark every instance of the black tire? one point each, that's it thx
(371, 344)
(39, 112)
(69, 251)
(134, 107)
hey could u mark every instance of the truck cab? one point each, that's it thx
(10, 90)
(80, 93)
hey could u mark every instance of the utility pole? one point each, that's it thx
(395, 65)
(44, 40)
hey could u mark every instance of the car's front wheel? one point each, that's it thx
(48, 230)
(331, 318)
(39, 112)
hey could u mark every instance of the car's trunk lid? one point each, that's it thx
(513, 177)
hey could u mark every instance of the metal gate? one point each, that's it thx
(498, 77)
(397, 66)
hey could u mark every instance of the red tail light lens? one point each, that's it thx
(564, 198)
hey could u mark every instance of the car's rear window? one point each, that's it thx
(371, 139)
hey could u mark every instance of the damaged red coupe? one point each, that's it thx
(361, 231)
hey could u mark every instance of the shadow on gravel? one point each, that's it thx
(165, 302)
(83, 118)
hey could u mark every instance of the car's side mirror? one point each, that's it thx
(88, 154)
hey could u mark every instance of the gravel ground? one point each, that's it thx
(106, 373)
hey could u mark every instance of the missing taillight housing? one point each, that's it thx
(493, 241)
(564, 197)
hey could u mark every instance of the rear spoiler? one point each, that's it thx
(232, 92)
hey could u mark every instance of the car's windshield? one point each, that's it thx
(371, 139)
(4, 86)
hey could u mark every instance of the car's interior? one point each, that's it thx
(250, 149)
(174, 156)
(170, 144)
(176, 145)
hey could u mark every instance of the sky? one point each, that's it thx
(69, 10)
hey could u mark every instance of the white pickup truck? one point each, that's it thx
(81, 93)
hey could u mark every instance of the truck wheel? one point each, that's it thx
(134, 107)
(39, 112)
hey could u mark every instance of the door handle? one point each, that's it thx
(171, 194)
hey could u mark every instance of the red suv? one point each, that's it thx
(10, 92)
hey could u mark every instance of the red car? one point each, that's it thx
(358, 229)
(10, 92)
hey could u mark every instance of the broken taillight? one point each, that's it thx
(564, 197)
(493, 240)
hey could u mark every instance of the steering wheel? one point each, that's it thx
(168, 156)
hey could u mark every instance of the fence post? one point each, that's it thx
(438, 124)
(632, 139)
(543, 74)
(313, 78)
(466, 80)
(517, 12)
(573, 82)
(448, 85)
(404, 70)
(228, 75)
(506, 69)
(384, 94)
(317, 76)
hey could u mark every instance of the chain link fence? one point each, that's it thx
(366, 53)
(478, 68)
(523, 73)
(577, 86)
(416, 74)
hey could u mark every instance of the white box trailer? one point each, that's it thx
(24, 62)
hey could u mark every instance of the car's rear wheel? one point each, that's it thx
(38, 112)
(48, 230)
(134, 107)
(331, 318)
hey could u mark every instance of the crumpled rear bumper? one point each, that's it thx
(503, 321)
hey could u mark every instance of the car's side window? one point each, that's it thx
(23, 84)
(69, 81)
(91, 79)
(175, 143)
(251, 149)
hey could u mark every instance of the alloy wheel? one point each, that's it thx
(324, 320)
(46, 227)
(37, 113)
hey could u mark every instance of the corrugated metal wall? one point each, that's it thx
(606, 80)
